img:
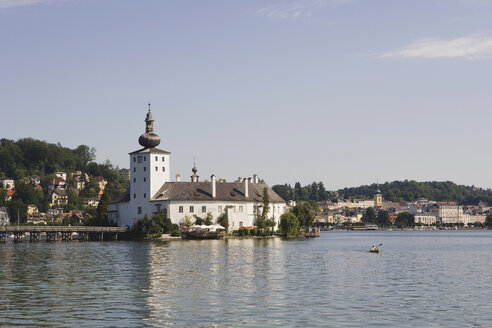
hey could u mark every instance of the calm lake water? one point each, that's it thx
(420, 279)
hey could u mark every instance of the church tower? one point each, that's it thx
(378, 198)
(149, 170)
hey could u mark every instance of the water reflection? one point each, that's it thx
(420, 279)
(58, 284)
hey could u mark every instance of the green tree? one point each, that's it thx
(262, 221)
(17, 210)
(187, 221)
(405, 219)
(285, 191)
(223, 220)
(3, 195)
(488, 221)
(289, 225)
(369, 216)
(304, 213)
(198, 220)
(208, 219)
(102, 209)
(383, 219)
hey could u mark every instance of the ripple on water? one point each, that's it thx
(420, 279)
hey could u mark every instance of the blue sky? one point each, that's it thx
(341, 91)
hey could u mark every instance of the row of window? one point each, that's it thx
(135, 195)
(204, 209)
(140, 158)
(157, 207)
(145, 169)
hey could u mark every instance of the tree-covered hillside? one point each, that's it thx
(29, 157)
(413, 190)
(393, 191)
(25, 157)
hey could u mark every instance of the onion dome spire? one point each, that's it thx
(149, 139)
(194, 177)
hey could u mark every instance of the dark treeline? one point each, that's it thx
(315, 191)
(26, 157)
(392, 191)
(413, 190)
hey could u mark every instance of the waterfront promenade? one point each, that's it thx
(63, 233)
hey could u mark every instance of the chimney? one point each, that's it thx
(178, 177)
(255, 178)
(246, 182)
(214, 180)
(239, 179)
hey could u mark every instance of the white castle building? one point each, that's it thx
(151, 191)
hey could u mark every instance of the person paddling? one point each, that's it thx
(375, 249)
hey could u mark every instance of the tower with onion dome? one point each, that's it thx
(149, 170)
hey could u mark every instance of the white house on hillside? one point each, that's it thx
(151, 191)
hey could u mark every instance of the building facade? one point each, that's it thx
(151, 190)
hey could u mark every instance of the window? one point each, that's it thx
(163, 158)
(192, 209)
(240, 223)
(240, 209)
(145, 195)
(204, 209)
(134, 195)
(134, 169)
(163, 169)
(139, 210)
(139, 159)
(145, 168)
(158, 207)
(134, 159)
(156, 169)
(145, 179)
(145, 159)
(180, 209)
(220, 209)
(134, 179)
(156, 159)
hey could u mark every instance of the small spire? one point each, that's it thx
(194, 177)
(149, 105)
(194, 169)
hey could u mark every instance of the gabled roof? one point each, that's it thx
(60, 192)
(150, 150)
(225, 191)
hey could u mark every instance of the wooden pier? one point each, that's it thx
(63, 233)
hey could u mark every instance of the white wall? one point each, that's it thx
(236, 218)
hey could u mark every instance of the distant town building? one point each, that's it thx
(32, 209)
(125, 173)
(59, 198)
(101, 182)
(80, 180)
(425, 219)
(4, 216)
(91, 202)
(7, 184)
(62, 175)
(34, 179)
